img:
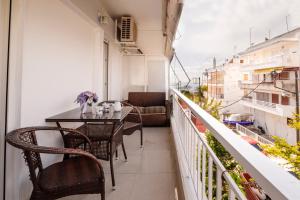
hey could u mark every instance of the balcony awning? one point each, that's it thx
(268, 70)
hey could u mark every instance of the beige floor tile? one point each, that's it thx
(149, 173)
(154, 187)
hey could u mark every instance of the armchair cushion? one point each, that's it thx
(140, 109)
(69, 174)
(155, 109)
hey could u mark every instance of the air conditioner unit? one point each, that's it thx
(128, 31)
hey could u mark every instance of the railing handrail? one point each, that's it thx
(257, 137)
(278, 183)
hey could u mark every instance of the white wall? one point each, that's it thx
(144, 73)
(55, 56)
(274, 124)
(232, 91)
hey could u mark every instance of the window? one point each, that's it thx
(285, 100)
(245, 77)
(284, 76)
(275, 98)
(262, 96)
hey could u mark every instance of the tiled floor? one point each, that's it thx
(149, 173)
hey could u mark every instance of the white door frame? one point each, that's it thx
(105, 70)
(4, 58)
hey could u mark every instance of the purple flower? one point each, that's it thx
(86, 96)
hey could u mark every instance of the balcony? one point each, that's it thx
(264, 139)
(276, 109)
(61, 48)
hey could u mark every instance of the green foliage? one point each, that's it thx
(223, 155)
(187, 93)
(200, 92)
(295, 122)
(211, 106)
(282, 149)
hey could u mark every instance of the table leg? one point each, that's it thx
(66, 156)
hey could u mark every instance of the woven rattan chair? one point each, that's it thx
(81, 173)
(105, 138)
(133, 122)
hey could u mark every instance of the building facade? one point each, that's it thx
(268, 81)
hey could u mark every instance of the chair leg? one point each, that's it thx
(124, 152)
(103, 191)
(141, 130)
(112, 170)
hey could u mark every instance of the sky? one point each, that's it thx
(220, 28)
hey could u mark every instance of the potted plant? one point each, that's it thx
(86, 100)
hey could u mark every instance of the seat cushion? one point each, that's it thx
(139, 108)
(155, 109)
(70, 174)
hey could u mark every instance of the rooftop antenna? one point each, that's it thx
(250, 34)
(214, 62)
(269, 33)
(287, 22)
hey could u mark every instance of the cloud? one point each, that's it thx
(220, 27)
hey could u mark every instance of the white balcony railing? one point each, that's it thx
(197, 155)
(198, 179)
(252, 134)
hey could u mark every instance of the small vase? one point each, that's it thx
(86, 108)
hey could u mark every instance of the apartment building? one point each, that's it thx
(268, 83)
(215, 82)
(232, 90)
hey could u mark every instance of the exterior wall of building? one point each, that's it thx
(232, 90)
(216, 84)
(272, 106)
(273, 124)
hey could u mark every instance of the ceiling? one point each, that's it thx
(147, 13)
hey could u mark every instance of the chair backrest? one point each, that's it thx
(145, 99)
(25, 139)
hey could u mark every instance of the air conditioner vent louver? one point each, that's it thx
(128, 29)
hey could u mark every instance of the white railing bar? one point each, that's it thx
(282, 186)
(203, 171)
(253, 134)
(184, 115)
(210, 177)
(218, 163)
(219, 184)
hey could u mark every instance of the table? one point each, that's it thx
(113, 136)
(75, 115)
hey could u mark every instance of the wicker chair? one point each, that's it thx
(105, 138)
(133, 122)
(79, 174)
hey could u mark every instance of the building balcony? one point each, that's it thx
(276, 109)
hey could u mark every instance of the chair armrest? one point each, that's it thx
(14, 139)
(137, 113)
(68, 151)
